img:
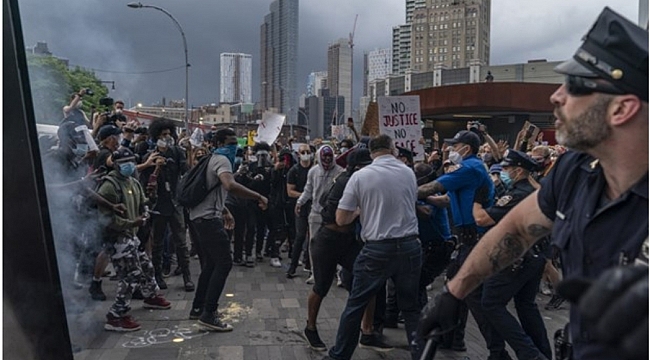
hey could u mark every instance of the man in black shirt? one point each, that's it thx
(296, 180)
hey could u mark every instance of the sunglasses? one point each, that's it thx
(582, 86)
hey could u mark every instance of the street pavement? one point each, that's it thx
(268, 312)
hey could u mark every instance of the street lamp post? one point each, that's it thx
(138, 5)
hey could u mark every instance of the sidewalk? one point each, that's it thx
(267, 311)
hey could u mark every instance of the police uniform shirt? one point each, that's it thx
(462, 184)
(592, 233)
(519, 191)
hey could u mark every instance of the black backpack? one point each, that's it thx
(193, 186)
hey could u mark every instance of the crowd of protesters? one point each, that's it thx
(299, 201)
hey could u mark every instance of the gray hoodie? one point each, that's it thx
(318, 181)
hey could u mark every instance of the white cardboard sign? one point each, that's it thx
(270, 127)
(399, 118)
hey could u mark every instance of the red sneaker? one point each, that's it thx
(156, 302)
(123, 323)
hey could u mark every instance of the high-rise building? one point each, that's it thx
(339, 74)
(450, 33)
(377, 64)
(402, 39)
(236, 78)
(316, 81)
(279, 59)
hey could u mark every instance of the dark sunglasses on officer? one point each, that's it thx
(582, 86)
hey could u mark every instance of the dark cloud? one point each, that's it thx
(107, 35)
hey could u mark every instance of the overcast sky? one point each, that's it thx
(129, 45)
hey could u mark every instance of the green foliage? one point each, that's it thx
(52, 84)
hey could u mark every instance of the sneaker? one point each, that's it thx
(167, 270)
(95, 291)
(156, 302)
(161, 283)
(314, 340)
(250, 261)
(195, 313)
(120, 323)
(374, 342)
(259, 257)
(291, 273)
(310, 280)
(178, 271)
(239, 262)
(545, 288)
(555, 303)
(275, 262)
(211, 322)
(306, 268)
(339, 281)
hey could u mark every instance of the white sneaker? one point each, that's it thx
(275, 262)
(339, 282)
(310, 280)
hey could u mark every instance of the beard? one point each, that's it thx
(586, 130)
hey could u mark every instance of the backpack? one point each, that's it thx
(193, 186)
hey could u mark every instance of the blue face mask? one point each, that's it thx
(80, 150)
(505, 179)
(127, 169)
(229, 151)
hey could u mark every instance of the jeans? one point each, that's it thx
(176, 224)
(529, 339)
(239, 214)
(215, 245)
(397, 259)
(299, 243)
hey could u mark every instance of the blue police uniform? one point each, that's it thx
(591, 232)
(520, 282)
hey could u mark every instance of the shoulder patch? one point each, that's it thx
(504, 200)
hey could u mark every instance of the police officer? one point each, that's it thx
(594, 200)
(520, 281)
(462, 184)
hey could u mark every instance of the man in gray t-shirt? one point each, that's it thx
(210, 219)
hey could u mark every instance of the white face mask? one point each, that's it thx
(305, 157)
(455, 157)
(161, 143)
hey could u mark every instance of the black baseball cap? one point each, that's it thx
(615, 50)
(108, 130)
(465, 137)
(403, 152)
(520, 159)
(359, 156)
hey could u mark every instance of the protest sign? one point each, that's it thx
(399, 118)
(196, 139)
(270, 127)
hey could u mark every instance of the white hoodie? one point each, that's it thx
(318, 181)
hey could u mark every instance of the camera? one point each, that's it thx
(89, 92)
(105, 101)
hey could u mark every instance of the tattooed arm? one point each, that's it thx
(431, 188)
(504, 243)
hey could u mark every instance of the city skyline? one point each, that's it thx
(137, 43)
(236, 78)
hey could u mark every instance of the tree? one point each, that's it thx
(52, 84)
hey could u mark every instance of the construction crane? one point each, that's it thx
(351, 44)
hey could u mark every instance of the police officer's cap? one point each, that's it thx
(465, 137)
(520, 159)
(615, 50)
(123, 154)
(403, 152)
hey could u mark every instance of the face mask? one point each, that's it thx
(118, 111)
(344, 149)
(127, 169)
(305, 157)
(505, 178)
(80, 150)
(229, 151)
(169, 141)
(455, 157)
(161, 143)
